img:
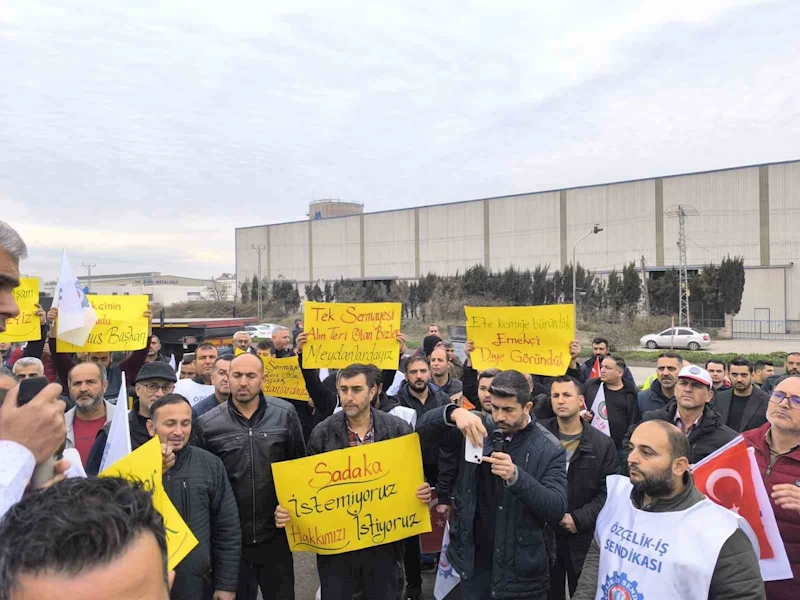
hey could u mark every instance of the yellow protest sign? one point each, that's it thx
(353, 498)
(340, 334)
(144, 464)
(283, 378)
(25, 327)
(121, 325)
(529, 339)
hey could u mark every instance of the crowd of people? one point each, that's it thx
(554, 508)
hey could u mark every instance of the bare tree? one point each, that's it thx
(216, 291)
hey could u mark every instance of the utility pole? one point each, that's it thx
(681, 212)
(595, 230)
(89, 272)
(259, 249)
(644, 288)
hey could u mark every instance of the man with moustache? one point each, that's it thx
(661, 391)
(198, 486)
(249, 433)
(222, 388)
(87, 386)
(660, 504)
(375, 570)
(591, 457)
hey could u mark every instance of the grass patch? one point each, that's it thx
(700, 357)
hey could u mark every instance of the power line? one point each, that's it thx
(89, 274)
(681, 211)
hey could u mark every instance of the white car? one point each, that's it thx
(677, 337)
(261, 331)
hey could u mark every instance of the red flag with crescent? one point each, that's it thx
(726, 478)
(595, 374)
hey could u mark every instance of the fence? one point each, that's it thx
(766, 330)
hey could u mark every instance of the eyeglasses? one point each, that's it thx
(152, 388)
(778, 397)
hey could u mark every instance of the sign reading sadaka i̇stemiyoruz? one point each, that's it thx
(354, 498)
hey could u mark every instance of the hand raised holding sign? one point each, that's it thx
(469, 348)
(41, 314)
(300, 341)
(425, 493)
(148, 314)
(282, 517)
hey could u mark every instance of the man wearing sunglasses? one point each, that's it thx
(155, 379)
(777, 448)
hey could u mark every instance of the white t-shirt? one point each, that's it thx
(192, 391)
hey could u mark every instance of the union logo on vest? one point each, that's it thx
(619, 587)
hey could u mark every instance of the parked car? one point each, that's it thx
(677, 337)
(264, 330)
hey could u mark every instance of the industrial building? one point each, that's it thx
(751, 211)
(164, 290)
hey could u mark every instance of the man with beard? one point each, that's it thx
(156, 379)
(249, 433)
(743, 407)
(791, 366)
(659, 537)
(154, 351)
(87, 386)
(693, 414)
(242, 342)
(440, 372)
(198, 487)
(497, 539)
(600, 349)
(375, 570)
(456, 366)
(222, 388)
(661, 391)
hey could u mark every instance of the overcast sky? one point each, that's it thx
(138, 135)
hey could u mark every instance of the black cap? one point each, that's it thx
(156, 370)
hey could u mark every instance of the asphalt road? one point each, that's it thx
(306, 581)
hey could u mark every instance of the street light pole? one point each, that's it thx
(595, 229)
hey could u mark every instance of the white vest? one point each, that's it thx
(657, 556)
(193, 392)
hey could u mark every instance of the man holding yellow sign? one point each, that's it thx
(529, 339)
(123, 324)
(353, 504)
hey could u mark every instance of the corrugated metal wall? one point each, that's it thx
(784, 229)
(726, 221)
(526, 230)
(763, 297)
(627, 214)
(389, 244)
(337, 247)
(450, 237)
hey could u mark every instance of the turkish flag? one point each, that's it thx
(595, 374)
(726, 477)
(432, 541)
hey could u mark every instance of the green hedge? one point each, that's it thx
(701, 357)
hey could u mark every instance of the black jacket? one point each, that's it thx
(593, 461)
(588, 365)
(430, 449)
(139, 435)
(652, 398)
(304, 410)
(198, 487)
(620, 418)
(247, 449)
(331, 435)
(755, 412)
(709, 435)
(521, 559)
